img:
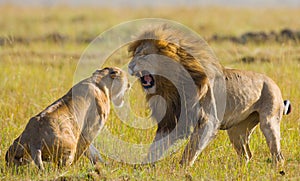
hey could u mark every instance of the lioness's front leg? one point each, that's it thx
(93, 154)
(36, 154)
(37, 158)
(200, 138)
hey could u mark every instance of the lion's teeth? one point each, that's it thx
(148, 84)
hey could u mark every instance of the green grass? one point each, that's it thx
(34, 75)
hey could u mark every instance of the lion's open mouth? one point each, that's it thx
(146, 78)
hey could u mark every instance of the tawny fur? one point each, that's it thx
(252, 98)
(65, 130)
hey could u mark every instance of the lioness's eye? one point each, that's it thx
(114, 74)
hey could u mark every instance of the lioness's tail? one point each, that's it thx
(287, 107)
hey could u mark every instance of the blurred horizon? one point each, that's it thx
(155, 3)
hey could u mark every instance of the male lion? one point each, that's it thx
(65, 130)
(249, 98)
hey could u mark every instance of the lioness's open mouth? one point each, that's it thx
(146, 78)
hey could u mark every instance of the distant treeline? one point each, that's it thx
(254, 37)
(260, 37)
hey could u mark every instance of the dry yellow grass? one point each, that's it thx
(35, 73)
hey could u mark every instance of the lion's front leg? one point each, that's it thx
(200, 138)
(159, 146)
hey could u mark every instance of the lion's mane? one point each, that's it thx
(191, 52)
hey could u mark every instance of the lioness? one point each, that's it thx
(160, 58)
(65, 130)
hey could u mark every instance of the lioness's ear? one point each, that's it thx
(113, 74)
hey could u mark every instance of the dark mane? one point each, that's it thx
(191, 52)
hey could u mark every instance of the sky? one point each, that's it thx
(156, 3)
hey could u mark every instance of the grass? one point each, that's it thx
(36, 73)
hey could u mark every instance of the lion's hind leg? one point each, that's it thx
(239, 135)
(270, 126)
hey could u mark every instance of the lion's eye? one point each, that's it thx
(140, 51)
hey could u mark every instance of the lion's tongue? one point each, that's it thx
(147, 79)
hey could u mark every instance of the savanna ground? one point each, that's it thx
(40, 49)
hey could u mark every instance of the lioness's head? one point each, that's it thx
(115, 80)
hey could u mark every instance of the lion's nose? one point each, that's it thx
(131, 66)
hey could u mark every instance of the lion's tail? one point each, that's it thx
(287, 107)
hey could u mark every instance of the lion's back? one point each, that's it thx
(247, 92)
